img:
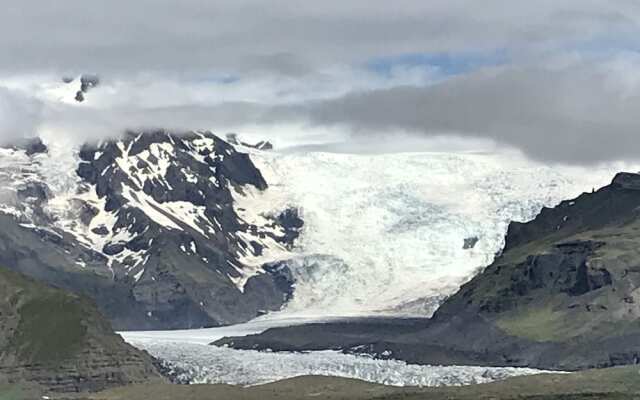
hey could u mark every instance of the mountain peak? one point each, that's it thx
(156, 215)
(627, 180)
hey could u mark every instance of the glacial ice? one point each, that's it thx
(385, 232)
(189, 356)
(200, 363)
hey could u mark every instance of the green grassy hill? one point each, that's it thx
(60, 341)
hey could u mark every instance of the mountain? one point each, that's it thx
(563, 294)
(569, 279)
(61, 342)
(150, 226)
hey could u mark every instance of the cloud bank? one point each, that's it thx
(20, 115)
(556, 79)
(576, 113)
(286, 36)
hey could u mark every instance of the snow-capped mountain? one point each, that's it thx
(150, 227)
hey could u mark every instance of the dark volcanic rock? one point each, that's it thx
(261, 145)
(112, 249)
(88, 81)
(30, 145)
(283, 278)
(290, 220)
(470, 242)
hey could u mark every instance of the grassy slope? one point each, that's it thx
(61, 341)
(548, 313)
(50, 323)
(50, 328)
(549, 318)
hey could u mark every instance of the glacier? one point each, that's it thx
(385, 233)
(189, 358)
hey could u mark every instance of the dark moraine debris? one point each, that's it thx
(30, 146)
(470, 242)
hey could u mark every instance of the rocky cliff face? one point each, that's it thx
(567, 282)
(150, 226)
(61, 342)
(574, 261)
(564, 294)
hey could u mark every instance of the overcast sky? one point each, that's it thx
(558, 80)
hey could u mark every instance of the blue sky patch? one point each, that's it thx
(448, 64)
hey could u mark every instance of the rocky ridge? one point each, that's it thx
(151, 227)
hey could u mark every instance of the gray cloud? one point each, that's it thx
(174, 65)
(284, 36)
(572, 112)
(90, 124)
(20, 115)
(580, 113)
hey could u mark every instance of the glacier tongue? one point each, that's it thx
(198, 363)
(386, 233)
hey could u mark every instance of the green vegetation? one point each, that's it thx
(538, 324)
(49, 323)
(58, 342)
(51, 328)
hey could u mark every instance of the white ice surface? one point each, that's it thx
(393, 225)
(207, 335)
(188, 352)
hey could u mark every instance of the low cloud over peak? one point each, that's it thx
(557, 79)
(20, 115)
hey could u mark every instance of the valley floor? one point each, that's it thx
(190, 357)
(614, 383)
